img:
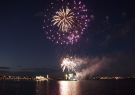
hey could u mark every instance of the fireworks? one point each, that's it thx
(82, 67)
(65, 21)
(71, 63)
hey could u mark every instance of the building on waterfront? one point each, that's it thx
(41, 78)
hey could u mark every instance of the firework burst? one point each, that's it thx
(71, 63)
(82, 67)
(65, 21)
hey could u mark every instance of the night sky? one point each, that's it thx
(24, 47)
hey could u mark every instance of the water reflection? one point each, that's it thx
(69, 88)
(42, 88)
(91, 87)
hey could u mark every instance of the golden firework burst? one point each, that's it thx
(64, 19)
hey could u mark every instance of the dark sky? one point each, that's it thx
(111, 32)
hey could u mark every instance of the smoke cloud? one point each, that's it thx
(91, 66)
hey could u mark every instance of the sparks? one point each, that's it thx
(82, 66)
(68, 64)
(65, 22)
(64, 19)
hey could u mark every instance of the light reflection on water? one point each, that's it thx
(61, 88)
(69, 88)
(91, 87)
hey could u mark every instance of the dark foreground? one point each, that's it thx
(91, 87)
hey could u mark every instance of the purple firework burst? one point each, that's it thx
(65, 21)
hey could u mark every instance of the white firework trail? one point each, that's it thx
(83, 66)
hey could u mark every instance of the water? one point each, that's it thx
(91, 87)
